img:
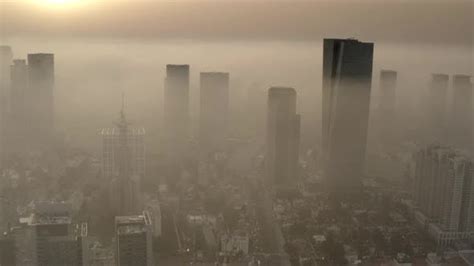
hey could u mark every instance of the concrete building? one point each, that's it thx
(214, 111)
(48, 237)
(283, 138)
(444, 193)
(6, 56)
(347, 77)
(436, 130)
(133, 240)
(124, 161)
(460, 130)
(176, 109)
(40, 98)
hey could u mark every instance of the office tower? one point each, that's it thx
(347, 77)
(17, 131)
(48, 237)
(40, 98)
(214, 112)
(124, 161)
(256, 112)
(6, 56)
(460, 131)
(133, 240)
(283, 137)
(444, 193)
(437, 108)
(176, 109)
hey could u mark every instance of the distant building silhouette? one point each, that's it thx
(283, 137)
(134, 240)
(124, 160)
(18, 125)
(460, 130)
(437, 108)
(40, 98)
(387, 106)
(6, 56)
(347, 77)
(214, 114)
(444, 193)
(176, 109)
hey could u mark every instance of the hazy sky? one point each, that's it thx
(434, 21)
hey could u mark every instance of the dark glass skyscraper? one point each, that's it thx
(347, 77)
(283, 137)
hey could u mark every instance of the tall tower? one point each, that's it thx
(176, 108)
(460, 131)
(214, 113)
(347, 78)
(125, 186)
(6, 56)
(18, 125)
(388, 85)
(40, 97)
(437, 108)
(283, 137)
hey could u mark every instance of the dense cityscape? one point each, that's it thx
(376, 186)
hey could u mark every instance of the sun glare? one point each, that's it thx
(59, 3)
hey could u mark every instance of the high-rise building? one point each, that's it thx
(386, 109)
(347, 78)
(460, 130)
(214, 112)
(176, 109)
(123, 159)
(6, 56)
(17, 130)
(283, 137)
(40, 98)
(134, 240)
(48, 237)
(437, 108)
(444, 193)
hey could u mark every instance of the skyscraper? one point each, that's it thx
(283, 137)
(40, 97)
(444, 193)
(176, 108)
(134, 240)
(437, 108)
(6, 56)
(460, 130)
(17, 130)
(214, 113)
(347, 77)
(387, 112)
(122, 167)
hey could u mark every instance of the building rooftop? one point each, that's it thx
(116, 132)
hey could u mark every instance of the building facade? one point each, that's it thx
(444, 192)
(214, 114)
(176, 109)
(133, 240)
(347, 78)
(283, 137)
(460, 130)
(40, 98)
